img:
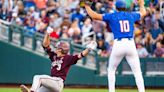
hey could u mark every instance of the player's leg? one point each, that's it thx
(43, 89)
(36, 83)
(114, 60)
(47, 81)
(53, 84)
(134, 62)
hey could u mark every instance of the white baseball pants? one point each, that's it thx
(45, 83)
(125, 48)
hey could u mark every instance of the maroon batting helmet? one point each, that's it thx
(64, 46)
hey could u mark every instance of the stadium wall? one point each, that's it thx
(19, 66)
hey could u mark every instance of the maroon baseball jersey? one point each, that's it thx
(60, 65)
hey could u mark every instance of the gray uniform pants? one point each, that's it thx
(45, 83)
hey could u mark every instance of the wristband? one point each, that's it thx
(82, 54)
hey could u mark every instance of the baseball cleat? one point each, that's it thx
(24, 88)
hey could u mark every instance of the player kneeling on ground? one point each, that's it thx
(61, 62)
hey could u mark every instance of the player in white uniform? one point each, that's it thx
(122, 26)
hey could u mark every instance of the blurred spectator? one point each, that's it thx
(64, 32)
(40, 26)
(29, 3)
(15, 19)
(75, 32)
(7, 6)
(160, 13)
(161, 5)
(87, 27)
(55, 20)
(20, 9)
(66, 23)
(33, 12)
(159, 51)
(98, 26)
(156, 30)
(135, 6)
(142, 52)
(147, 19)
(44, 17)
(74, 28)
(72, 4)
(51, 7)
(77, 15)
(98, 7)
(108, 36)
(102, 45)
(40, 4)
(1, 11)
(160, 38)
(148, 42)
(30, 24)
(64, 27)
(109, 6)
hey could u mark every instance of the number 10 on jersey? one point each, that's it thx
(124, 26)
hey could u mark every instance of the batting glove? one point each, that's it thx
(91, 45)
(49, 30)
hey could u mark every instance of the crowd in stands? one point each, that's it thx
(69, 19)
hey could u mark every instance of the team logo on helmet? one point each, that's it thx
(64, 46)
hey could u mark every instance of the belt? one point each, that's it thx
(119, 39)
(58, 78)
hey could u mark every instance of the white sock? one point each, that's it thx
(111, 81)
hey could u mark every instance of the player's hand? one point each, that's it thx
(88, 2)
(49, 30)
(92, 45)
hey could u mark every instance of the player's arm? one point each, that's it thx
(91, 46)
(142, 8)
(84, 53)
(92, 13)
(46, 40)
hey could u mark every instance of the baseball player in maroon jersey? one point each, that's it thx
(61, 62)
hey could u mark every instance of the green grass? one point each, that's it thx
(81, 90)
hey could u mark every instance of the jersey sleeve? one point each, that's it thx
(74, 59)
(49, 52)
(136, 16)
(106, 17)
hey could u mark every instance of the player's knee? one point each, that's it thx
(36, 77)
(111, 71)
